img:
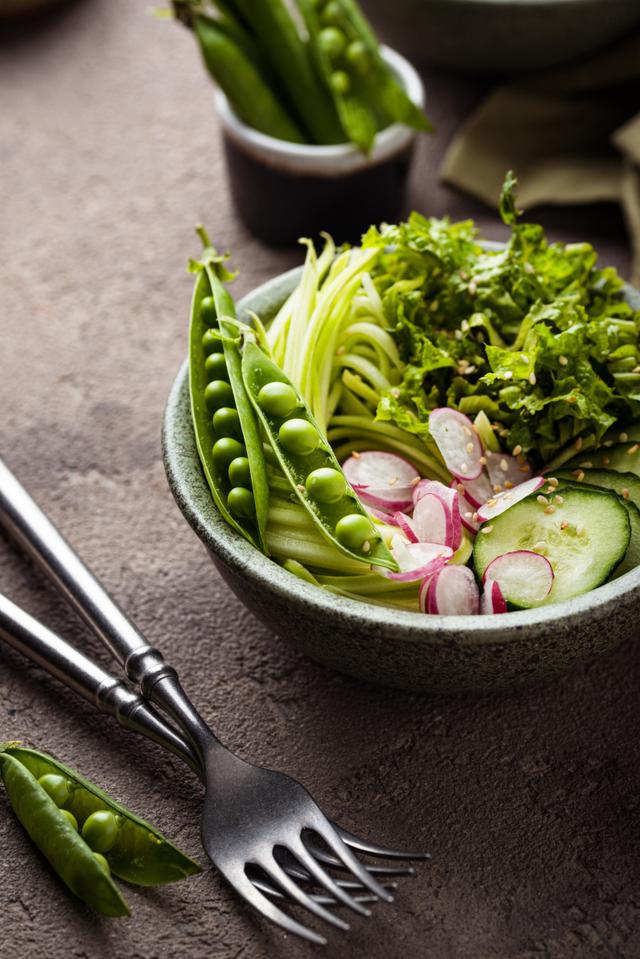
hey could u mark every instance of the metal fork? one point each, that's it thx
(251, 815)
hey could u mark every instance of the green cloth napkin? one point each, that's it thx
(571, 135)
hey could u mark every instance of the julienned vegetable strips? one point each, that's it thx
(474, 406)
(307, 72)
(85, 835)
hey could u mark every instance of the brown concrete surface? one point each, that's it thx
(530, 804)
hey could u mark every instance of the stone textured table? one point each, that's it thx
(530, 804)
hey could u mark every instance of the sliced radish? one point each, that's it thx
(380, 470)
(506, 471)
(405, 523)
(478, 490)
(450, 499)
(452, 591)
(525, 577)
(432, 521)
(499, 502)
(386, 498)
(380, 514)
(492, 600)
(457, 439)
(417, 560)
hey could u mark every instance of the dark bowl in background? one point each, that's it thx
(283, 191)
(501, 36)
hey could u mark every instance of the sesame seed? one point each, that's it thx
(608, 443)
(562, 360)
(633, 449)
(395, 392)
(469, 447)
(623, 437)
(504, 466)
(579, 475)
(300, 488)
(355, 454)
(572, 399)
(550, 509)
(472, 288)
(587, 465)
(578, 444)
(458, 334)
(553, 481)
(558, 500)
(508, 484)
(464, 326)
(460, 489)
(524, 468)
(491, 502)
(543, 500)
(470, 369)
(636, 369)
(532, 378)
(366, 546)
(486, 529)
(475, 517)
(464, 468)
(465, 429)
(483, 460)
(508, 374)
(517, 450)
(528, 268)
(416, 480)
(540, 547)
(393, 480)
(564, 524)
(497, 488)
(625, 492)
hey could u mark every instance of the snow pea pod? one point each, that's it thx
(134, 849)
(308, 461)
(57, 839)
(225, 424)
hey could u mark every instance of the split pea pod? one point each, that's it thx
(308, 462)
(71, 820)
(247, 89)
(225, 424)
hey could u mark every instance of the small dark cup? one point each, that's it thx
(283, 190)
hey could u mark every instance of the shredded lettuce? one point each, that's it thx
(534, 335)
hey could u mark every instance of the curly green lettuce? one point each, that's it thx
(534, 334)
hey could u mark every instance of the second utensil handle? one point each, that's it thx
(23, 519)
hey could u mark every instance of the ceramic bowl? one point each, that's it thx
(283, 191)
(501, 36)
(452, 654)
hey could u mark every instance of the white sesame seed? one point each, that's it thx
(623, 437)
(562, 360)
(633, 449)
(504, 466)
(469, 447)
(486, 529)
(542, 500)
(587, 465)
(532, 378)
(564, 524)
(508, 374)
(625, 492)
(550, 509)
(578, 444)
(482, 460)
(517, 450)
(558, 500)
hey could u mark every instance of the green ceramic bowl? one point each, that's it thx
(407, 650)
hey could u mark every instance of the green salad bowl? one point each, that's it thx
(412, 651)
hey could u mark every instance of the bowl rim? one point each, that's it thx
(408, 626)
(340, 157)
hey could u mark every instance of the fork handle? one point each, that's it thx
(23, 519)
(87, 679)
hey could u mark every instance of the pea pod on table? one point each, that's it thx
(225, 424)
(79, 828)
(308, 461)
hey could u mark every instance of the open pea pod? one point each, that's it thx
(139, 853)
(57, 839)
(225, 424)
(308, 462)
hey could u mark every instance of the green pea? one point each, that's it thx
(72, 819)
(240, 503)
(208, 312)
(239, 472)
(277, 399)
(325, 485)
(299, 437)
(357, 55)
(100, 830)
(211, 343)
(340, 82)
(332, 41)
(332, 14)
(225, 450)
(57, 787)
(102, 862)
(354, 530)
(217, 393)
(226, 422)
(216, 367)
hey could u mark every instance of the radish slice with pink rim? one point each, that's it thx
(436, 515)
(416, 560)
(500, 502)
(492, 600)
(455, 436)
(379, 469)
(504, 468)
(380, 514)
(390, 499)
(525, 578)
(405, 523)
(452, 591)
(479, 490)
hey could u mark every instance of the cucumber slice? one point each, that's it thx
(627, 486)
(623, 458)
(583, 554)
